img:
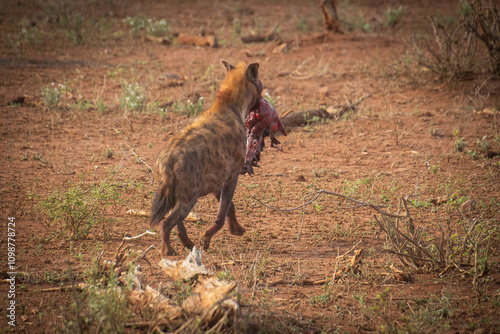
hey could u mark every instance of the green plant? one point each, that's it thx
(101, 106)
(322, 299)
(183, 289)
(163, 113)
(303, 24)
(80, 209)
(157, 28)
(136, 24)
(271, 100)
(65, 14)
(28, 35)
(107, 301)
(190, 108)
(393, 16)
(81, 105)
(52, 94)
(361, 24)
(108, 153)
(453, 54)
(460, 145)
(153, 28)
(133, 97)
(237, 26)
(225, 276)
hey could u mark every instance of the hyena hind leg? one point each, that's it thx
(175, 217)
(225, 202)
(186, 242)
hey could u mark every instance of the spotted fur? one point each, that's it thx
(206, 158)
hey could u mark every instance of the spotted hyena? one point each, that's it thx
(206, 158)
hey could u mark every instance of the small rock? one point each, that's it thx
(324, 90)
(169, 76)
(469, 205)
(300, 178)
(18, 100)
(439, 200)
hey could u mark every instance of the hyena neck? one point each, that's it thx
(225, 106)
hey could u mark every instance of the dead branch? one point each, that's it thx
(298, 118)
(272, 35)
(131, 238)
(139, 158)
(79, 287)
(322, 191)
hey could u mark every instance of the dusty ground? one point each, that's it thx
(402, 141)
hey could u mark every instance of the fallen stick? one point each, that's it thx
(159, 40)
(64, 288)
(132, 238)
(206, 40)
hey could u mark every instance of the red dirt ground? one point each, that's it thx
(401, 141)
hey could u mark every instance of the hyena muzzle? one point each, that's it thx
(206, 158)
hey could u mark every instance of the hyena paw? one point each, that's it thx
(236, 230)
(205, 242)
(170, 252)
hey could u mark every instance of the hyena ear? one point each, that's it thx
(228, 66)
(253, 72)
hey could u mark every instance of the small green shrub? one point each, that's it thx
(66, 15)
(190, 108)
(237, 26)
(108, 304)
(460, 145)
(303, 24)
(136, 24)
(108, 153)
(450, 53)
(157, 28)
(133, 97)
(80, 209)
(52, 94)
(393, 16)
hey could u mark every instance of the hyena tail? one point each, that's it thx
(163, 202)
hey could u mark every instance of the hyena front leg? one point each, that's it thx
(175, 217)
(234, 227)
(224, 205)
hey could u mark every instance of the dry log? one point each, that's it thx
(159, 40)
(332, 22)
(298, 118)
(261, 37)
(205, 40)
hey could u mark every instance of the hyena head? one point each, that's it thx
(242, 87)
